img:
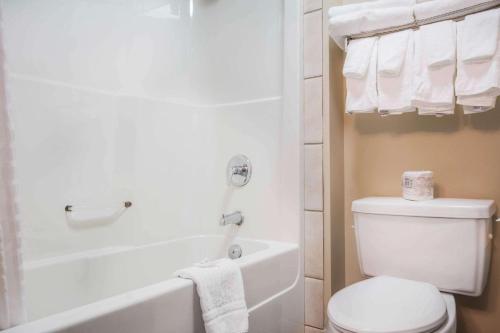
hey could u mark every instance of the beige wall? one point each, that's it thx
(464, 153)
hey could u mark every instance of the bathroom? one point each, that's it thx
(145, 143)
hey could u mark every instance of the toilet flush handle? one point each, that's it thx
(490, 235)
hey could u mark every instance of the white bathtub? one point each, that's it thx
(132, 289)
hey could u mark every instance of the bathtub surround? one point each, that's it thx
(147, 101)
(375, 151)
(219, 286)
(112, 116)
(12, 311)
(316, 167)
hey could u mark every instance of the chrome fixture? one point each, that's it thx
(234, 251)
(232, 218)
(239, 170)
(457, 15)
(69, 208)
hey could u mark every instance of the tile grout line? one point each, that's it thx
(312, 77)
(313, 11)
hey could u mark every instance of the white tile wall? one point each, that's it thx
(313, 225)
(313, 177)
(313, 44)
(310, 329)
(310, 5)
(313, 110)
(314, 302)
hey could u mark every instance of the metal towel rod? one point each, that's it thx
(457, 15)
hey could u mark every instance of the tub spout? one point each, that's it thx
(232, 218)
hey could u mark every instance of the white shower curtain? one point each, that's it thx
(11, 295)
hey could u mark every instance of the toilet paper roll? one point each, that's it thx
(417, 185)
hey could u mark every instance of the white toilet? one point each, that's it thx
(419, 253)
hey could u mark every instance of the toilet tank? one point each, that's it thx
(445, 242)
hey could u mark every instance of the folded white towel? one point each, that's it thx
(395, 73)
(476, 103)
(356, 7)
(439, 43)
(220, 287)
(358, 58)
(348, 24)
(478, 83)
(384, 18)
(443, 8)
(436, 111)
(392, 51)
(362, 92)
(433, 91)
(367, 19)
(481, 100)
(480, 35)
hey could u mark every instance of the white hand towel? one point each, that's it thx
(480, 35)
(395, 91)
(439, 43)
(392, 52)
(358, 58)
(433, 91)
(477, 103)
(220, 287)
(362, 93)
(478, 83)
(477, 77)
(443, 8)
(436, 111)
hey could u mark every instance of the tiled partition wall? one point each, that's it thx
(317, 269)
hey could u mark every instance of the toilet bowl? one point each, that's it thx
(413, 250)
(391, 305)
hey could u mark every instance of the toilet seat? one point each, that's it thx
(388, 305)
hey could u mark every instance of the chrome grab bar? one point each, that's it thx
(81, 218)
(69, 208)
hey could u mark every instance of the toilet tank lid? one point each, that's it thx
(441, 207)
